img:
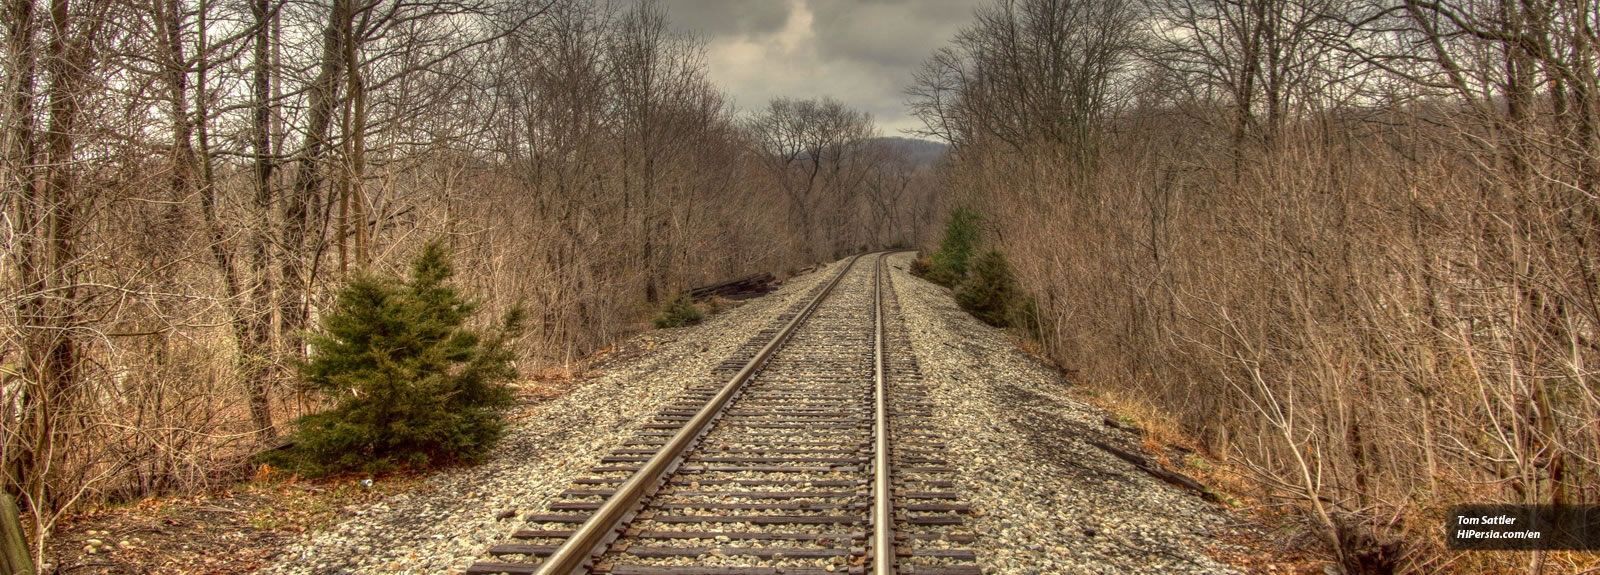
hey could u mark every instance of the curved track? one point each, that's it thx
(816, 456)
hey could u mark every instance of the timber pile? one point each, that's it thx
(736, 289)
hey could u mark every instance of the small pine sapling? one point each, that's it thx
(413, 385)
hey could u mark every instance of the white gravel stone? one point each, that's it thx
(1045, 501)
(446, 524)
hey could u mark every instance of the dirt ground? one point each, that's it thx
(236, 531)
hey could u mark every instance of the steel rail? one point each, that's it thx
(601, 527)
(882, 510)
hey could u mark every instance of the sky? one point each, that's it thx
(861, 52)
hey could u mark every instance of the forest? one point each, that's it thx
(1350, 246)
(187, 183)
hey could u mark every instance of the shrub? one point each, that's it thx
(414, 387)
(949, 265)
(990, 292)
(680, 312)
(920, 266)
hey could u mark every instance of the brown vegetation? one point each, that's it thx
(185, 183)
(1350, 245)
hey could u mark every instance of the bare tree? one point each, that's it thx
(1347, 246)
(1027, 72)
(818, 153)
(185, 180)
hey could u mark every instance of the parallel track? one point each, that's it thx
(817, 456)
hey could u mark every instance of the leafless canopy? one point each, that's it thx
(185, 181)
(1350, 246)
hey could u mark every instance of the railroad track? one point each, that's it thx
(816, 456)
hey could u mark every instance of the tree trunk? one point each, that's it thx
(184, 164)
(13, 546)
(48, 206)
(305, 194)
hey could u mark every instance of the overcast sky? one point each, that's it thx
(859, 51)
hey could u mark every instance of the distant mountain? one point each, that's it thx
(922, 152)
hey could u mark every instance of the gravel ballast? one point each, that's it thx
(1044, 500)
(447, 523)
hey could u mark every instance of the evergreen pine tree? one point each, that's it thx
(413, 385)
(990, 291)
(949, 265)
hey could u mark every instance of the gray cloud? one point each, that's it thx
(890, 33)
(859, 51)
(719, 18)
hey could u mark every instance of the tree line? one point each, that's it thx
(1351, 246)
(187, 181)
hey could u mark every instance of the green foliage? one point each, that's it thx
(985, 286)
(990, 292)
(414, 386)
(680, 312)
(949, 265)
